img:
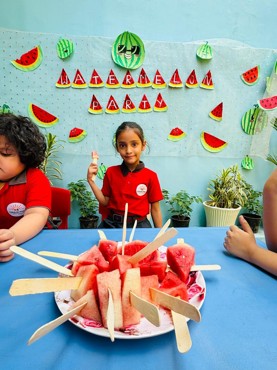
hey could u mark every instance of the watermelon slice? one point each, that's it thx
(143, 79)
(153, 268)
(112, 81)
(76, 134)
(41, 117)
(268, 103)
(158, 82)
(144, 105)
(79, 81)
(180, 258)
(64, 48)
(128, 81)
(30, 60)
(130, 282)
(254, 120)
(128, 105)
(136, 245)
(94, 256)
(217, 112)
(247, 163)
(95, 80)
(95, 106)
(174, 286)
(90, 311)
(176, 134)
(63, 81)
(108, 248)
(191, 81)
(112, 106)
(207, 82)
(251, 76)
(102, 169)
(175, 80)
(211, 143)
(88, 282)
(160, 104)
(148, 282)
(120, 262)
(205, 51)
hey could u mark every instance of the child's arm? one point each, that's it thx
(270, 211)
(156, 214)
(91, 173)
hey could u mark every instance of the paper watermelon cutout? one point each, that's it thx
(63, 81)
(5, 109)
(102, 169)
(158, 82)
(112, 106)
(112, 81)
(79, 81)
(41, 117)
(176, 134)
(175, 80)
(268, 103)
(95, 80)
(207, 82)
(64, 48)
(217, 112)
(128, 105)
(251, 76)
(30, 60)
(254, 120)
(160, 104)
(144, 105)
(95, 106)
(76, 135)
(247, 163)
(128, 51)
(128, 81)
(205, 51)
(212, 143)
(143, 79)
(191, 81)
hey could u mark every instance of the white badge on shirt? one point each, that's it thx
(16, 209)
(141, 189)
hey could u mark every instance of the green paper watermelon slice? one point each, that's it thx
(211, 143)
(41, 117)
(102, 169)
(268, 103)
(251, 76)
(30, 60)
(217, 112)
(176, 134)
(254, 120)
(76, 135)
(247, 163)
(205, 51)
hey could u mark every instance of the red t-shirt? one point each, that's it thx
(29, 189)
(138, 188)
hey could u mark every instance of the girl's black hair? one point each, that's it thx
(134, 126)
(25, 136)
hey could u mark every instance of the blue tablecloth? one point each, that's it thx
(238, 328)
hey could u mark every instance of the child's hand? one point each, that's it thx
(92, 172)
(6, 241)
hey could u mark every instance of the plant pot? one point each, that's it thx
(253, 220)
(89, 222)
(216, 216)
(180, 221)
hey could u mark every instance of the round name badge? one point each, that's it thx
(16, 209)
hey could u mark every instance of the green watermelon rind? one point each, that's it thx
(176, 137)
(247, 163)
(271, 102)
(205, 51)
(38, 120)
(256, 68)
(204, 136)
(32, 66)
(60, 46)
(254, 127)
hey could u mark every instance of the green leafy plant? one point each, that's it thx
(273, 158)
(180, 203)
(253, 204)
(228, 189)
(51, 166)
(88, 204)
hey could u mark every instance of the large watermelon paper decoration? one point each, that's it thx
(41, 117)
(176, 134)
(30, 60)
(251, 76)
(254, 120)
(268, 103)
(217, 112)
(205, 51)
(128, 51)
(76, 135)
(64, 48)
(212, 143)
(247, 163)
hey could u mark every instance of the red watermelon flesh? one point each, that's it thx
(153, 268)
(94, 256)
(135, 246)
(120, 262)
(212, 143)
(41, 116)
(88, 274)
(217, 112)
(180, 258)
(90, 311)
(30, 60)
(174, 286)
(108, 248)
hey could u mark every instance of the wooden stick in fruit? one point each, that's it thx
(94, 160)
(124, 228)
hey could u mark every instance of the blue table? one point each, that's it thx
(238, 328)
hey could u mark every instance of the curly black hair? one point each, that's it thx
(25, 136)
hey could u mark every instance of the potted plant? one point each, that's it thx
(51, 166)
(228, 194)
(180, 207)
(253, 208)
(88, 204)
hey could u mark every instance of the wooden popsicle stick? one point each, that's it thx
(147, 309)
(163, 229)
(205, 267)
(42, 261)
(43, 285)
(110, 316)
(133, 231)
(95, 157)
(151, 247)
(124, 228)
(182, 334)
(65, 256)
(175, 304)
(46, 328)
(102, 235)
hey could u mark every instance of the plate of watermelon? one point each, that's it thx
(196, 291)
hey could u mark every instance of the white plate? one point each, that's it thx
(196, 291)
